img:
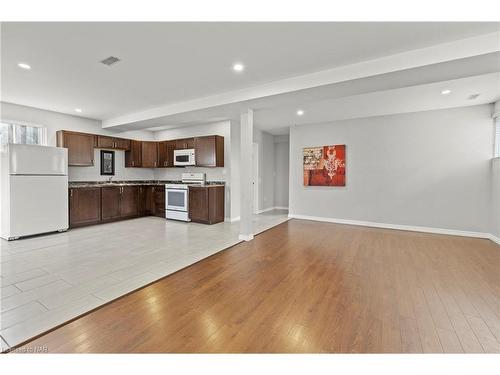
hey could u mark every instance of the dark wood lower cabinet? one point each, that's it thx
(110, 202)
(84, 206)
(93, 205)
(129, 201)
(206, 204)
(146, 202)
(159, 201)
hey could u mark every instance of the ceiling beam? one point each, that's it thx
(480, 45)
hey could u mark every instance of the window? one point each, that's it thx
(497, 137)
(22, 133)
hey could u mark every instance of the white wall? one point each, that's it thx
(266, 168)
(495, 197)
(222, 128)
(429, 169)
(55, 121)
(281, 170)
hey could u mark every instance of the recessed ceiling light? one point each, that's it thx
(300, 112)
(446, 92)
(79, 110)
(238, 67)
(24, 66)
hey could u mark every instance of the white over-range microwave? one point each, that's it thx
(184, 157)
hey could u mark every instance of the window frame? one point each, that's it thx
(43, 134)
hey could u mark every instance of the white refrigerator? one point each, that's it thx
(33, 191)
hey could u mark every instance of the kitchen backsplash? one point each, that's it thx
(212, 174)
(121, 173)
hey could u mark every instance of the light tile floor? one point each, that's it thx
(47, 280)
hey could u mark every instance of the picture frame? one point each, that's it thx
(107, 163)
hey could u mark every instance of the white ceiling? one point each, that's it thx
(168, 63)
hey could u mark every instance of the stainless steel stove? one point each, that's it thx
(177, 196)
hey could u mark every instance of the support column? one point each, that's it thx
(246, 188)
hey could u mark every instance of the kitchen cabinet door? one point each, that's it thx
(185, 143)
(122, 144)
(206, 204)
(146, 200)
(198, 204)
(105, 142)
(166, 153)
(149, 154)
(84, 206)
(133, 157)
(209, 151)
(80, 147)
(110, 202)
(159, 201)
(129, 205)
(162, 154)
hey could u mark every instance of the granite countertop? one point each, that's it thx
(83, 184)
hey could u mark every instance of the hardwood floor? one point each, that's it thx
(310, 287)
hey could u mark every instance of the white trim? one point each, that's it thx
(271, 208)
(245, 237)
(495, 239)
(232, 219)
(451, 232)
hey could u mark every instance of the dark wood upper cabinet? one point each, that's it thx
(209, 151)
(133, 157)
(84, 206)
(122, 144)
(110, 202)
(185, 143)
(166, 153)
(206, 204)
(104, 141)
(80, 147)
(149, 154)
(129, 201)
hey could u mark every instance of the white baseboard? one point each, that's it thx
(271, 208)
(232, 220)
(452, 232)
(243, 237)
(495, 239)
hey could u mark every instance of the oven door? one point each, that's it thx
(177, 199)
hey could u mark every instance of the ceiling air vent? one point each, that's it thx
(110, 60)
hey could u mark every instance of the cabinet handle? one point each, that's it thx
(132, 163)
(71, 192)
(114, 144)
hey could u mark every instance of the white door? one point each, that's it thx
(255, 177)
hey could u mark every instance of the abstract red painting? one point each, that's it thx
(324, 166)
